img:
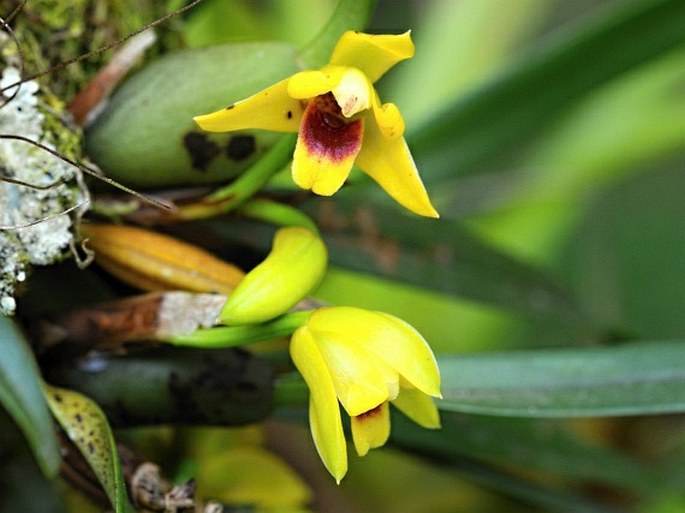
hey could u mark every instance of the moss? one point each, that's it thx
(54, 31)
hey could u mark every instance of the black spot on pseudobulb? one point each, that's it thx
(202, 151)
(240, 147)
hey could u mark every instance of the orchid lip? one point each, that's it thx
(327, 134)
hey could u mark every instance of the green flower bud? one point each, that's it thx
(146, 136)
(295, 266)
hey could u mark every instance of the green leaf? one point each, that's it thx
(633, 379)
(87, 427)
(481, 36)
(498, 118)
(547, 447)
(439, 255)
(549, 494)
(625, 259)
(21, 395)
(477, 448)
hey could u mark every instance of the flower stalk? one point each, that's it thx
(226, 199)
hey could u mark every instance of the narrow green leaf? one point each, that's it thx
(87, 427)
(21, 395)
(441, 255)
(481, 36)
(625, 257)
(548, 447)
(449, 448)
(633, 379)
(477, 447)
(501, 116)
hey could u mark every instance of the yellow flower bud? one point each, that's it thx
(292, 269)
(151, 261)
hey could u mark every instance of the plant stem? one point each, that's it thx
(233, 336)
(277, 213)
(348, 15)
(227, 198)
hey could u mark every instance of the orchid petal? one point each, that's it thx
(389, 162)
(361, 381)
(408, 353)
(371, 429)
(388, 339)
(270, 109)
(418, 407)
(325, 151)
(324, 412)
(388, 118)
(308, 84)
(372, 54)
(351, 88)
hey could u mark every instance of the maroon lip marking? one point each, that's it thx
(327, 133)
(370, 414)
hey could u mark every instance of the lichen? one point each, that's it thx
(50, 33)
(34, 229)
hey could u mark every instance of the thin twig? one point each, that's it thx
(88, 55)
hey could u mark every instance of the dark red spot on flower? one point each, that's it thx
(327, 133)
(371, 413)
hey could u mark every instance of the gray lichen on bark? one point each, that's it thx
(50, 32)
(34, 229)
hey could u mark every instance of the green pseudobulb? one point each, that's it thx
(146, 136)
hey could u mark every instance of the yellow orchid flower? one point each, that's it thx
(362, 359)
(340, 120)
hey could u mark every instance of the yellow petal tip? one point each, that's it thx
(338, 474)
(424, 210)
(215, 121)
